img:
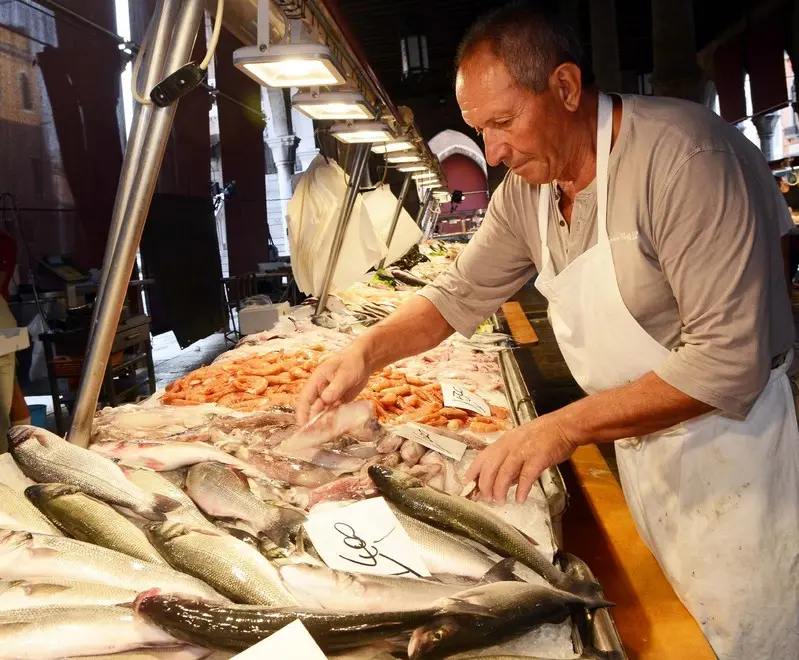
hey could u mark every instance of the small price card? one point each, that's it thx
(457, 396)
(291, 641)
(425, 436)
(365, 537)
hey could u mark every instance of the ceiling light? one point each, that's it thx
(404, 157)
(333, 105)
(400, 144)
(412, 168)
(362, 131)
(424, 175)
(432, 185)
(290, 65)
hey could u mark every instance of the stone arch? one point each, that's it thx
(450, 142)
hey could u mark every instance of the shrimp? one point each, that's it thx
(455, 424)
(252, 384)
(454, 413)
(482, 427)
(234, 398)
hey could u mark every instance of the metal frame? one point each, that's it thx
(175, 27)
(406, 186)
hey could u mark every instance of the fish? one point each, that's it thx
(87, 519)
(54, 632)
(288, 470)
(491, 613)
(11, 476)
(234, 568)
(46, 458)
(337, 461)
(24, 555)
(344, 488)
(341, 591)
(412, 452)
(38, 592)
(158, 484)
(222, 493)
(166, 456)
(17, 513)
(162, 653)
(356, 419)
(237, 627)
(469, 519)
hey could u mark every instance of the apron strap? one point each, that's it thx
(544, 192)
(604, 134)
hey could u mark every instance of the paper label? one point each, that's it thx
(291, 641)
(427, 437)
(365, 537)
(457, 396)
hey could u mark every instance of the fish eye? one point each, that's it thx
(438, 635)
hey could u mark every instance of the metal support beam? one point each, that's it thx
(358, 168)
(155, 127)
(428, 195)
(406, 186)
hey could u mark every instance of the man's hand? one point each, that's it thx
(338, 379)
(521, 454)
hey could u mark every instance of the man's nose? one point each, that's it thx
(496, 148)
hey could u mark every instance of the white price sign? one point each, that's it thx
(291, 641)
(432, 440)
(365, 537)
(457, 396)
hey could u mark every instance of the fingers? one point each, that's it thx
(506, 476)
(531, 470)
(494, 459)
(309, 403)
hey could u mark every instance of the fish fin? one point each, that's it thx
(502, 571)
(144, 595)
(165, 504)
(32, 589)
(589, 592)
(527, 536)
(452, 606)
(43, 553)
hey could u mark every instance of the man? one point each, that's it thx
(654, 228)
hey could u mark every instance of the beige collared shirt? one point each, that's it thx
(695, 219)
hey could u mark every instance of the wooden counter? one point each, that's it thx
(598, 527)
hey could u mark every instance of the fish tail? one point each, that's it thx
(157, 507)
(589, 592)
(165, 504)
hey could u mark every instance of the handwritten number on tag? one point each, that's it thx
(368, 554)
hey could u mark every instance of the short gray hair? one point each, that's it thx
(530, 38)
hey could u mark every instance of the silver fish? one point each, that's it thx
(233, 567)
(162, 653)
(222, 493)
(24, 555)
(87, 519)
(53, 632)
(18, 514)
(21, 594)
(46, 458)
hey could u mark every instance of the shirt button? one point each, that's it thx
(562, 223)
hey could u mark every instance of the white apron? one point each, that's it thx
(716, 500)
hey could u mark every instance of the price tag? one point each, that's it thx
(457, 396)
(365, 537)
(432, 440)
(291, 641)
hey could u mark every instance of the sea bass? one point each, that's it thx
(53, 632)
(24, 555)
(17, 513)
(232, 567)
(471, 520)
(87, 519)
(46, 458)
(22, 594)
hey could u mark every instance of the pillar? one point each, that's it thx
(283, 153)
(674, 49)
(304, 130)
(605, 45)
(766, 125)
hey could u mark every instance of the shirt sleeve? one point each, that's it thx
(713, 243)
(490, 269)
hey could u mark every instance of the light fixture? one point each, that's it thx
(290, 65)
(412, 168)
(400, 144)
(332, 105)
(432, 185)
(403, 157)
(362, 131)
(424, 175)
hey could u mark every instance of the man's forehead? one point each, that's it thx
(483, 87)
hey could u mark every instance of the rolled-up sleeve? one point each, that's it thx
(712, 234)
(490, 269)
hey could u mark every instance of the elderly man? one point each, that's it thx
(654, 228)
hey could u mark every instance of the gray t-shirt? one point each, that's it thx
(695, 219)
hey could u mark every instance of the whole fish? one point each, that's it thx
(46, 458)
(231, 566)
(320, 586)
(157, 484)
(356, 419)
(21, 594)
(469, 519)
(18, 514)
(337, 461)
(53, 632)
(24, 556)
(492, 613)
(161, 653)
(87, 519)
(163, 456)
(292, 471)
(235, 628)
(222, 493)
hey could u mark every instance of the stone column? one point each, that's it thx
(304, 129)
(282, 142)
(605, 45)
(674, 48)
(766, 126)
(283, 153)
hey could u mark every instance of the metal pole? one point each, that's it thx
(358, 168)
(406, 186)
(430, 219)
(164, 21)
(153, 145)
(428, 194)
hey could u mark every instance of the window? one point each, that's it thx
(25, 91)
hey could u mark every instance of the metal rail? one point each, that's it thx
(353, 188)
(175, 32)
(425, 203)
(406, 186)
